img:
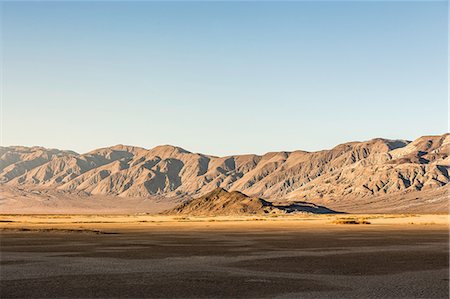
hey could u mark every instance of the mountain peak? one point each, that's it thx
(167, 148)
(217, 191)
(348, 172)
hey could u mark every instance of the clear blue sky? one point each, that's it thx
(222, 77)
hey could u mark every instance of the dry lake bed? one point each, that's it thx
(100, 256)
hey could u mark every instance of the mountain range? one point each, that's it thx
(353, 173)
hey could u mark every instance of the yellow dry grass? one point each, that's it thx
(112, 223)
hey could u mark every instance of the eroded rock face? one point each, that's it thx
(378, 167)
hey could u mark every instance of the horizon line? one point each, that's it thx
(191, 152)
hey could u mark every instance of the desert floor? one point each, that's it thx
(307, 256)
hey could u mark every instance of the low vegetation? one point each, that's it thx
(351, 221)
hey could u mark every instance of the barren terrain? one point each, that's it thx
(379, 175)
(307, 256)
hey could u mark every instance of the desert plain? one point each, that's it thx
(277, 256)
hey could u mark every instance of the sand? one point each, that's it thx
(306, 256)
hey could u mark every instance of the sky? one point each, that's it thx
(222, 78)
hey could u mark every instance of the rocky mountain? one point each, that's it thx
(354, 170)
(220, 202)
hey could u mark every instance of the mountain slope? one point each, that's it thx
(350, 171)
(220, 202)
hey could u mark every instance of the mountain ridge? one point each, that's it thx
(172, 146)
(349, 171)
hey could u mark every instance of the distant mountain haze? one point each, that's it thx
(350, 171)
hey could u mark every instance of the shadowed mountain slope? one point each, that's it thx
(220, 202)
(350, 171)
